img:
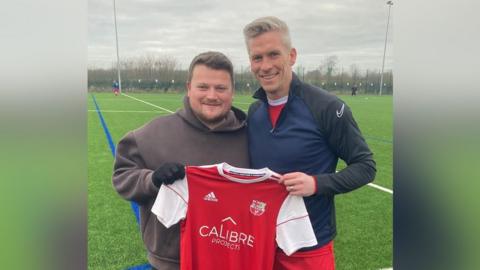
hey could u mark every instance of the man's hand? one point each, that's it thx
(298, 183)
(168, 173)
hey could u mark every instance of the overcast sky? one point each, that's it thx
(353, 30)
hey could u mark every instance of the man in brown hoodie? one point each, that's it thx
(207, 130)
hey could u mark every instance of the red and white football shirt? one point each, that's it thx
(233, 218)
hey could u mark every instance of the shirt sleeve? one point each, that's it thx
(294, 230)
(131, 177)
(346, 140)
(171, 203)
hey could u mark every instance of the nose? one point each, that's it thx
(266, 65)
(211, 93)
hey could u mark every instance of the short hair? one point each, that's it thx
(267, 24)
(213, 60)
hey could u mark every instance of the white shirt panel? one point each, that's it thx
(171, 203)
(294, 230)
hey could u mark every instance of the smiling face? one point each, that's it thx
(271, 62)
(210, 92)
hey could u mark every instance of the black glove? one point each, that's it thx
(168, 173)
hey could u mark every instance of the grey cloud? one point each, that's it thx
(353, 30)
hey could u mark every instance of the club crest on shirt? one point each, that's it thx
(257, 208)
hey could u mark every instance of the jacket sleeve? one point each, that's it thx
(131, 178)
(345, 139)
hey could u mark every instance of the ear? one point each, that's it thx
(189, 85)
(293, 56)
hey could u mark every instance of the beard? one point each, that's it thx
(212, 121)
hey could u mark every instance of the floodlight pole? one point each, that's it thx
(389, 3)
(118, 56)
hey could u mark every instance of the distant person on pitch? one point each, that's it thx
(207, 130)
(354, 90)
(115, 88)
(301, 131)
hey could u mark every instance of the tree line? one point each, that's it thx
(163, 73)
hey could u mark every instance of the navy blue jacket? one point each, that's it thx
(314, 130)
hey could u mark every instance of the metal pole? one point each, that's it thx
(118, 56)
(389, 3)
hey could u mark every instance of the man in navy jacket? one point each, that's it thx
(301, 131)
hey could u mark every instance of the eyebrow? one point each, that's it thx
(214, 85)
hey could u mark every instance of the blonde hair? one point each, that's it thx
(267, 24)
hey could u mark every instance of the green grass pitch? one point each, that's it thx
(364, 216)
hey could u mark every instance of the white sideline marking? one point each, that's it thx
(391, 268)
(382, 189)
(113, 111)
(148, 103)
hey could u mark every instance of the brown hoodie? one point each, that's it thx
(179, 137)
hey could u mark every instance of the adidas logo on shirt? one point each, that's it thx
(210, 197)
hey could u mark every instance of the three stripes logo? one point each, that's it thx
(210, 197)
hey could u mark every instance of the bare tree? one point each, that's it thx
(300, 71)
(354, 72)
(162, 72)
(329, 64)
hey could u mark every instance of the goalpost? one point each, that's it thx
(118, 55)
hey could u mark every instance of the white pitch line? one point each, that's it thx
(148, 103)
(113, 111)
(380, 188)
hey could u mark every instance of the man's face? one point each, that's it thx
(271, 62)
(210, 92)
